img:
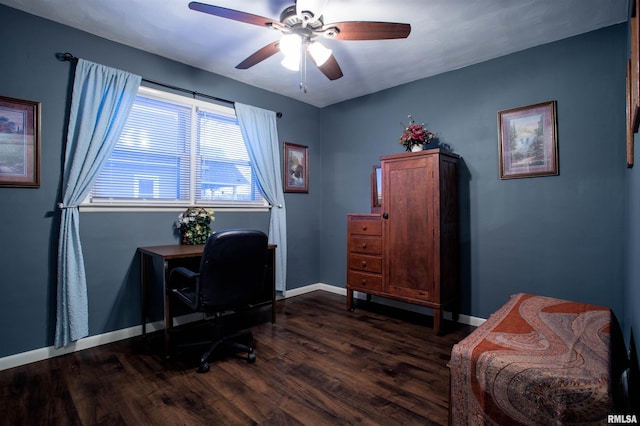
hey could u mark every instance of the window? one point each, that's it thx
(177, 151)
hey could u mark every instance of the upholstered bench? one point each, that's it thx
(537, 360)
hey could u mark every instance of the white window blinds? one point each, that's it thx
(178, 151)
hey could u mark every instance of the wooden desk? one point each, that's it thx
(172, 256)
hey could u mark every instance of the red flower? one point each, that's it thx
(415, 134)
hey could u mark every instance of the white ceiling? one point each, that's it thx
(446, 35)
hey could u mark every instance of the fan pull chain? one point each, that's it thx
(303, 69)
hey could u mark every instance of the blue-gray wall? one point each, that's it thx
(631, 318)
(29, 222)
(563, 236)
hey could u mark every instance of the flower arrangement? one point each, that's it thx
(194, 225)
(414, 134)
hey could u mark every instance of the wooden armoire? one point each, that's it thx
(409, 251)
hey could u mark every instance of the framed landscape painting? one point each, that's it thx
(19, 143)
(296, 169)
(528, 141)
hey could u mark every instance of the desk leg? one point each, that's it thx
(271, 260)
(168, 315)
(273, 299)
(143, 293)
(273, 308)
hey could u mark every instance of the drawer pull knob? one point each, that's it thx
(364, 227)
(364, 263)
(364, 245)
(364, 282)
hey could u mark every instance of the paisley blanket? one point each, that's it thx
(536, 361)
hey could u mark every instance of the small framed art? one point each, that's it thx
(528, 141)
(19, 143)
(634, 72)
(296, 168)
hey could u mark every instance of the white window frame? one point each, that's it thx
(145, 205)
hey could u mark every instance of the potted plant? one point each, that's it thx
(415, 136)
(194, 225)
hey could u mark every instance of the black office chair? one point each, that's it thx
(232, 273)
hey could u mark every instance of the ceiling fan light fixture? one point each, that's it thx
(291, 62)
(319, 52)
(290, 45)
(300, 23)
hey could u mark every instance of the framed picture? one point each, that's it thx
(19, 143)
(296, 168)
(528, 144)
(634, 72)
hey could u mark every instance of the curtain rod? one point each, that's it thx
(68, 57)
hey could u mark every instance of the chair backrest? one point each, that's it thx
(232, 269)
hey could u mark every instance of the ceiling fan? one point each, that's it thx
(300, 25)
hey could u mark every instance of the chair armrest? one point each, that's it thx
(185, 284)
(185, 272)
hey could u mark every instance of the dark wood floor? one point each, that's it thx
(319, 365)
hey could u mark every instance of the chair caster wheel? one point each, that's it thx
(204, 367)
(251, 358)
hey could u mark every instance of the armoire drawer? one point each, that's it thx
(364, 281)
(364, 263)
(367, 245)
(365, 225)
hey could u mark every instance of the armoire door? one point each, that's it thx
(410, 209)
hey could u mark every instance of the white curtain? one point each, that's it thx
(260, 131)
(101, 100)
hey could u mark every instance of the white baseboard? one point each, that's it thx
(463, 319)
(318, 286)
(126, 333)
(88, 342)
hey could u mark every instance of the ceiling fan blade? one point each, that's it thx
(330, 68)
(363, 30)
(234, 15)
(260, 55)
